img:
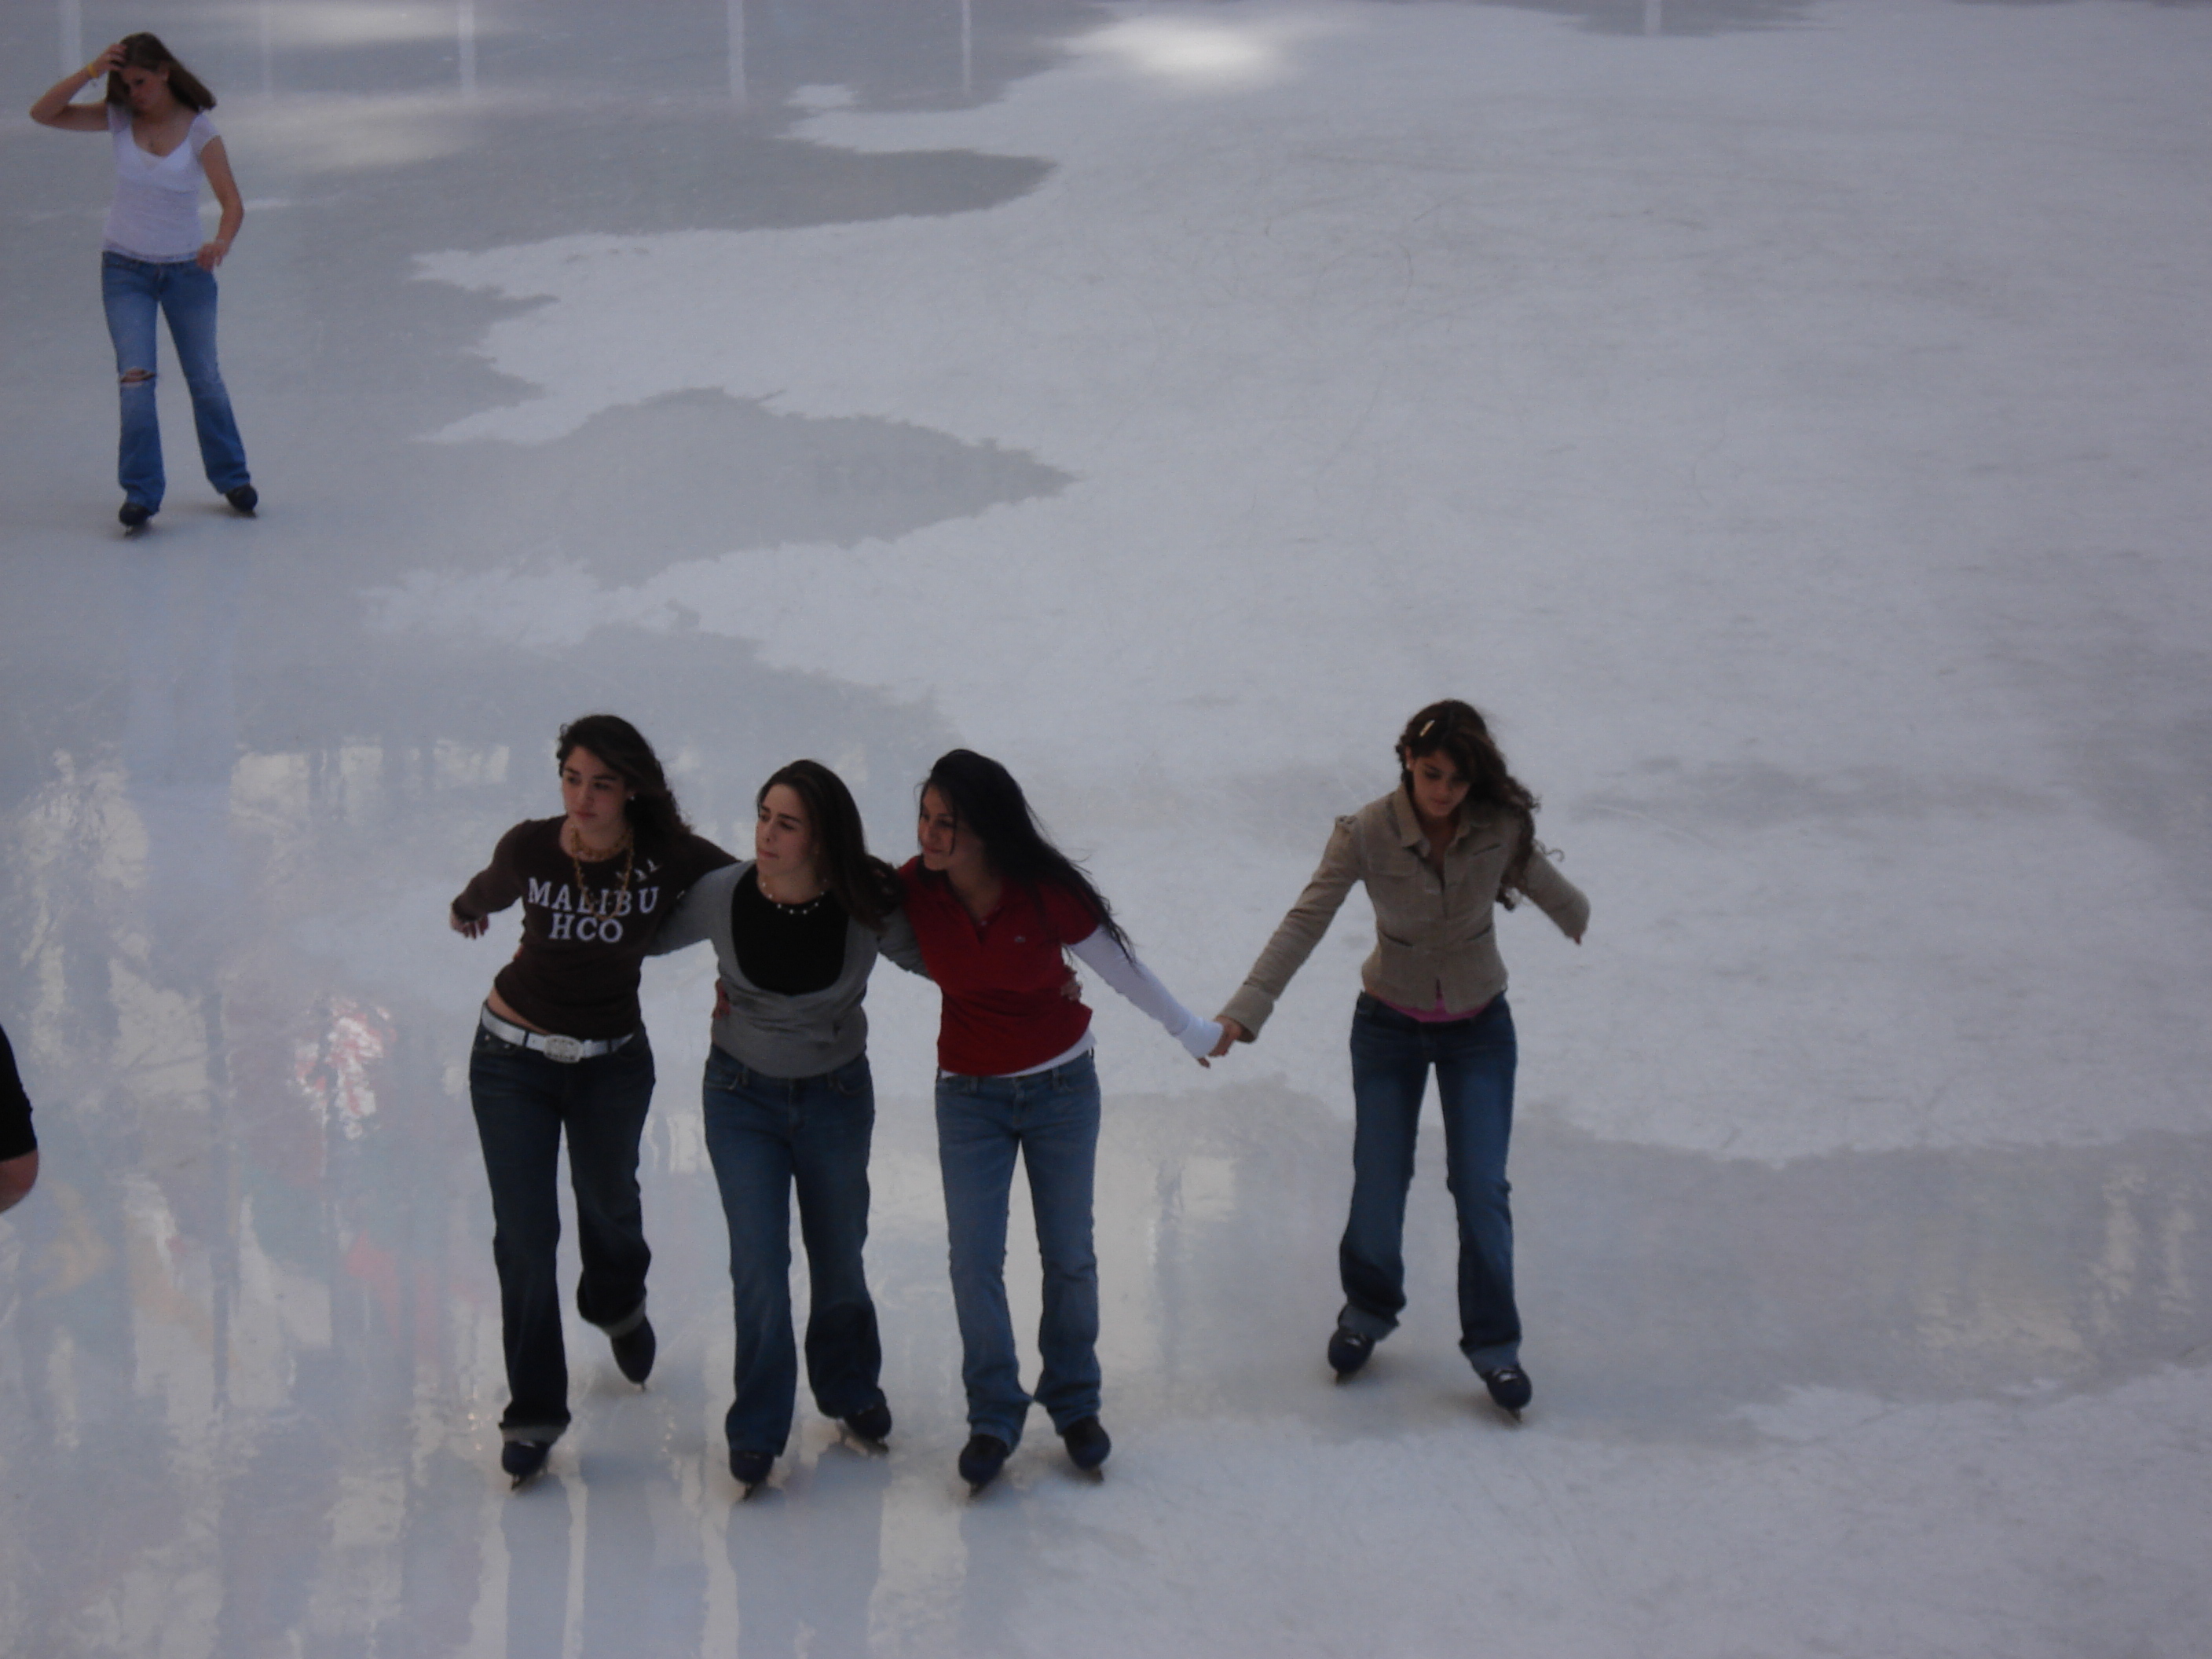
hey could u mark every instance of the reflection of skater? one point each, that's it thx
(19, 1147)
(562, 1048)
(994, 904)
(1457, 837)
(156, 112)
(790, 1103)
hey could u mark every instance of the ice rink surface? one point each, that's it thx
(1790, 419)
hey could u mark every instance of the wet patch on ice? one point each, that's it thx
(698, 473)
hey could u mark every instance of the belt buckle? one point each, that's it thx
(566, 1049)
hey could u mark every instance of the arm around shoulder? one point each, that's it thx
(693, 918)
(897, 943)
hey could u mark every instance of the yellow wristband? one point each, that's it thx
(93, 71)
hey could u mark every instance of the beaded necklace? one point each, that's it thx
(806, 907)
(620, 894)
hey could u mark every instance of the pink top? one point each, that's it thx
(1435, 1015)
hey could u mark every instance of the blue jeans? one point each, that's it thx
(133, 290)
(524, 1102)
(1473, 1058)
(1051, 1118)
(767, 1135)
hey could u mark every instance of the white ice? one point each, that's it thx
(1788, 417)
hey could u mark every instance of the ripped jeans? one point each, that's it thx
(133, 291)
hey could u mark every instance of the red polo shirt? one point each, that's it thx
(1002, 979)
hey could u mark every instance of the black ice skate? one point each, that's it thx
(1509, 1389)
(524, 1459)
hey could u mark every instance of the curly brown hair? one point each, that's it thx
(653, 814)
(1457, 729)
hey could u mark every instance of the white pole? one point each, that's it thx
(737, 52)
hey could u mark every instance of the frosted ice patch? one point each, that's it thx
(1809, 1414)
(554, 607)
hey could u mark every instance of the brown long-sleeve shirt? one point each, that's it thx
(576, 971)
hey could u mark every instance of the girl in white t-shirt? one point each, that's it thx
(153, 260)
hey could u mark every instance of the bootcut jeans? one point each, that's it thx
(768, 1136)
(525, 1102)
(133, 290)
(1051, 1120)
(1474, 1059)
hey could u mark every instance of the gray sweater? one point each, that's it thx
(765, 1031)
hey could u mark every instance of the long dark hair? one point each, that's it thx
(990, 804)
(146, 51)
(863, 883)
(654, 817)
(1457, 730)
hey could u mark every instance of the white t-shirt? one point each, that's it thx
(155, 215)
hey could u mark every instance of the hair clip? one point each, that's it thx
(1424, 732)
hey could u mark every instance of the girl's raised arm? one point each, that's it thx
(55, 108)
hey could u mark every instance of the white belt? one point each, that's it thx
(566, 1049)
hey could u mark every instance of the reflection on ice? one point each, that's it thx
(1197, 54)
(284, 1367)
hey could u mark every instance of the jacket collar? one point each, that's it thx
(1402, 819)
(1408, 823)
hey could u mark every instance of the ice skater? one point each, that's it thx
(1456, 838)
(560, 1048)
(153, 259)
(790, 1102)
(994, 905)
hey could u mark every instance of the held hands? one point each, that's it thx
(1231, 1032)
(467, 927)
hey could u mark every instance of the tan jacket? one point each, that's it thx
(1433, 936)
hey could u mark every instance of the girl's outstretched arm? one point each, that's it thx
(1120, 968)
